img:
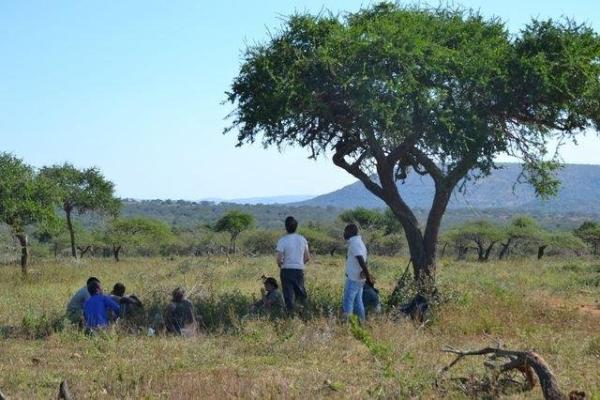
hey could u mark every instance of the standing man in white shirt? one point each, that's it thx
(357, 273)
(292, 256)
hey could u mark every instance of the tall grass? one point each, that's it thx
(525, 303)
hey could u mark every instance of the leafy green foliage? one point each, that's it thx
(589, 232)
(83, 190)
(234, 222)
(261, 241)
(363, 217)
(564, 241)
(25, 197)
(137, 232)
(320, 241)
(442, 82)
(482, 234)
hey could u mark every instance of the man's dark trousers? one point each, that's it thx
(292, 285)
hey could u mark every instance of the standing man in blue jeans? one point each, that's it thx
(292, 256)
(357, 273)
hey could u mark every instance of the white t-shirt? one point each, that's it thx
(292, 246)
(356, 247)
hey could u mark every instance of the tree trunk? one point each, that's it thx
(83, 250)
(480, 251)
(443, 252)
(116, 251)
(541, 250)
(68, 211)
(232, 248)
(504, 251)
(422, 247)
(22, 238)
(488, 251)
(461, 252)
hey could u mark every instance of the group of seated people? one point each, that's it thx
(92, 310)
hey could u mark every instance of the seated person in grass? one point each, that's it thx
(97, 307)
(128, 303)
(179, 315)
(271, 298)
(75, 305)
(370, 298)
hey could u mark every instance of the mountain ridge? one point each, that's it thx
(579, 192)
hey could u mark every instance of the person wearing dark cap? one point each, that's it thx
(75, 305)
(292, 256)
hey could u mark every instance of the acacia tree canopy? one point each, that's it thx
(392, 90)
(483, 234)
(589, 232)
(132, 232)
(82, 191)
(234, 222)
(25, 198)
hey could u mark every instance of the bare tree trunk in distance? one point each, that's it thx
(22, 238)
(83, 250)
(488, 251)
(504, 251)
(541, 250)
(116, 251)
(68, 211)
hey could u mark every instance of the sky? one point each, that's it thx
(136, 88)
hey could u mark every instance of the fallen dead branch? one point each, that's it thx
(526, 362)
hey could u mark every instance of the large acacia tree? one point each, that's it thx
(81, 190)
(393, 90)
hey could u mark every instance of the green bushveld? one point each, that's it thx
(525, 303)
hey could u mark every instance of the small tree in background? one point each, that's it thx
(25, 199)
(392, 90)
(521, 231)
(559, 241)
(483, 234)
(363, 217)
(135, 232)
(589, 232)
(234, 222)
(82, 191)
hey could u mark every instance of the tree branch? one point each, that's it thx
(523, 361)
(339, 159)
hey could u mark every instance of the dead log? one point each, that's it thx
(523, 361)
(64, 393)
(2, 396)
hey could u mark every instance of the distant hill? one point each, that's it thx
(579, 193)
(263, 200)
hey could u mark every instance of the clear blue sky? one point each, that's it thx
(135, 88)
